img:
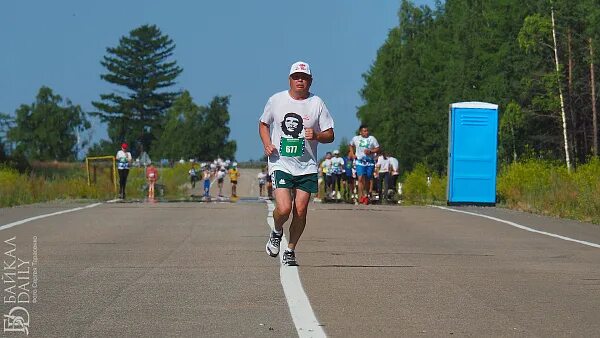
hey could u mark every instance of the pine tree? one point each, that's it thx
(141, 68)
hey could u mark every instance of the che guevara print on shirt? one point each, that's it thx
(292, 140)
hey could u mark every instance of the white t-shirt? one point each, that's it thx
(294, 154)
(360, 144)
(384, 164)
(394, 164)
(326, 166)
(123, 159)
(262, 178)
(337, 165)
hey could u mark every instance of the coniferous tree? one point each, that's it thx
(141, 68)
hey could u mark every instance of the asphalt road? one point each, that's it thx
(199, 269)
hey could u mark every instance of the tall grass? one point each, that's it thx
(534, 185)
(537, 186)
(16, 188)
(46, 182)
(547, 188)
(423, 187)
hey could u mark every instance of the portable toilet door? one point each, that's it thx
(472, 148)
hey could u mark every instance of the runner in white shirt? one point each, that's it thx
(383, 169)
(326, 170)
(220, 178)
(395, 173)
(262, 180)
(363, 148)
(293, 123)
(337, 170)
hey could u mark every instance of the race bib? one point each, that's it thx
(291, 147)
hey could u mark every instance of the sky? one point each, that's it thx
(239, 48)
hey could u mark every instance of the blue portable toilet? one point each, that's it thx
(472, 147)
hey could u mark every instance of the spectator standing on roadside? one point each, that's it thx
(124, 160)
(193, 175)
(151, 178)
(234, 175)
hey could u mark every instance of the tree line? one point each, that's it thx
(141, 111)
(536, 59)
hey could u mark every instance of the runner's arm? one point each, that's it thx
(264, 130)
(326, 136)
(352, 155)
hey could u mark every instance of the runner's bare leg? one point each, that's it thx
(299, 217)
(283, 207)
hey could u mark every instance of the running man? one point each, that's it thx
(220, 179)
(326, 171)
(363, 148)
(395, 173)
(293, 123)
(206, 175)
(262, 180)
(337, 169)
(383, 169)
(348, 176)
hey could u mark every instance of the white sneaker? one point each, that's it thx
(273, 244)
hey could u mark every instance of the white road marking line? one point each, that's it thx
(522, 227)
(10, 225)
(302, 313)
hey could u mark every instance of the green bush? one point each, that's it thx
(48, 182)
(547, 188)
(417, 190)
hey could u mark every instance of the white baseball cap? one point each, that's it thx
(300, 67)
(336, 152)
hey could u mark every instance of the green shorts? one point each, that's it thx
(306, 183)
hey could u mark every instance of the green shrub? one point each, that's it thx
(547, 188)
(417, 190)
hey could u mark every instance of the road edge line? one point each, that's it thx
(522, 227)
(10, 225)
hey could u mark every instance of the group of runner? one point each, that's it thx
(364, 175)
(217, 170)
